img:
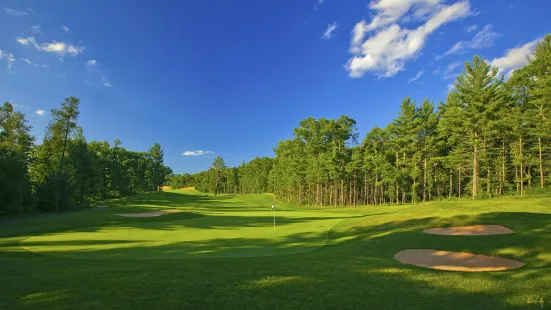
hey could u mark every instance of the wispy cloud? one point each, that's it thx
(8, 57)
(514, 58)
(92, 63)
(197, 153)
(417, 76)
(106, 82)
(320, 2)
(390, 46)
(65, 28)
(40, 112)
(16, 12)
(29, 62)
(20, 13)
(329, 32)
(482, 39)
(448, 73)
(471, 28)
(35, 29)
(19, 106)
(60, 48)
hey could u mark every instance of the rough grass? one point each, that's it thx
(223, 253)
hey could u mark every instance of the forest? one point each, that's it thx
(490, 137)
(65, 171)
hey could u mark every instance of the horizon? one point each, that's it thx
(232, 79)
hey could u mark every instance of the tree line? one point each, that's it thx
(65, 171)
(248, 178)
(490, 137)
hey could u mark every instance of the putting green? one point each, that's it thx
(237, 231)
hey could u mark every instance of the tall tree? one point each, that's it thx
(64, 121)
(15, 148)
(475, 89)
(217, 167)
(158, 174)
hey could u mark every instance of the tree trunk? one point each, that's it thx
(350, 193)
(331, 197)
(61, 166)
(541, 165)
(488, 188)
(521, 168)
(365, 190)
(528, 172)
(342, 193)
(451, 184)
(375, 194)
(475, 170)
(459, 180)
(502, 183)
(516, 178)
(425, 180)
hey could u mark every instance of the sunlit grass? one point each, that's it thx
(223, 252)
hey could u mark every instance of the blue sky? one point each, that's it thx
(232, 78)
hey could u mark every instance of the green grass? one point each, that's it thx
(223, 253)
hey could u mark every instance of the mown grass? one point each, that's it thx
(223, 253)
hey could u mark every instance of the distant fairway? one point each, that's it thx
(243, 227)
(222, 252)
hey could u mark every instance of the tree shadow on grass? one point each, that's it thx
(354, 271)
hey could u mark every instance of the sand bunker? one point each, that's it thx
(455, 261)
(149, 214)
(477, 230)
(172, 211)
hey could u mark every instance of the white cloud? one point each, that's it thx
(485, 37)
(197, 153)
(386, 51)
(416, 77)
(320, 1)
(8, 57)
(329, 32)
(451, 87)
(91, 63)
(514, 58)
(40, 112)
(471, 28)
(35, 29)
(106, 82)
(452, 67)
(26, 40)
(449, 68)
(65, 28)
(482, 39)
(29, 62)
(16, 12)
(390, 11)
(60, 48)
(448, 73)
(19, 106)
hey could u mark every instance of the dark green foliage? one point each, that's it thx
(65, 171)
(490, 138)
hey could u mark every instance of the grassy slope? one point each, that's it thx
(200, 258)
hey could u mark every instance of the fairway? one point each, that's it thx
(223, 252)
(232, 231)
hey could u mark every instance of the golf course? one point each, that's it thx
(224, 252)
